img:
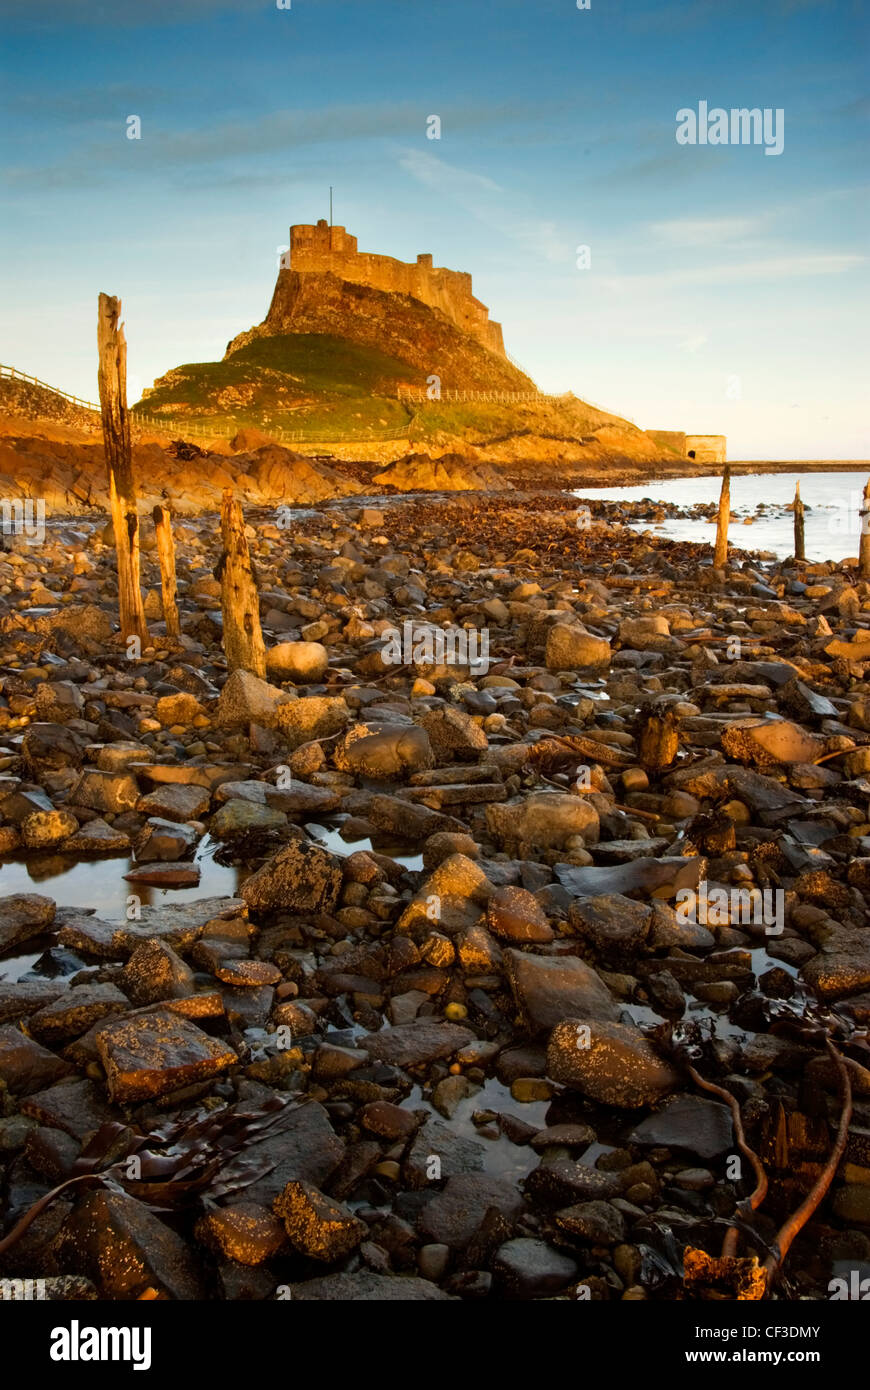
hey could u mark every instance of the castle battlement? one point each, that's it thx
(324, 249)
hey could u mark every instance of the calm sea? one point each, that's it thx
(831, 501)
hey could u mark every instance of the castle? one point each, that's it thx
(332, 250)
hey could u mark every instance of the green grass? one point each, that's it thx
(293, 381)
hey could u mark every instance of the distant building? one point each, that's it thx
(325, 249)
(700, 448)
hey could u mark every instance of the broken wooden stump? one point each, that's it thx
(166, 557)
(123, 499)
(799, 539)
(864, 543)
(242, 638)
(720, 554)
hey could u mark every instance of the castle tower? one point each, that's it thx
(325, 250)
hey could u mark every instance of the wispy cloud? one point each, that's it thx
(715, 231)
(487, 201)
(795, 267)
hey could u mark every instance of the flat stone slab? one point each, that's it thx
(692, 1123)
(550, 988)
(366, 1287)
(154, 1053)
(178, 924)
(645, 876)
(410, 1044)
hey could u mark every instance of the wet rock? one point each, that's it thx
(76, 1011)
(515, 915)
(300, 799)
(366, 1287)
(438, 1152)
(453, 897)
(126, 1250)
(244, 1231)
(453, 1215)
(97, 837)
(692, 1123)
(614, 926)
(47, 829)
(152, 1054)
(75, 1107)
(241, 817)
(528, 1268)
(26, 1067)
(50, 747)
(106, 791)
(23, 915)
(650, 632)
(302, 1146)
(299, 878)
(176, 802)
(772, 741)
(564, 1181)
(21, 998)
(609, 1062)
(599, 1223)
(550, 988)
(155, 972)
(318, 1226)
(168, 875)
(644, 876)
(411, 1044)
(163, 840)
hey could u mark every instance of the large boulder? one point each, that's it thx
(572, 648)
(611, 1063)
(246, 699)
(301, 877)
(544, 820)
(304, 663)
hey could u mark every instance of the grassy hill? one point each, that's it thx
(310, 381)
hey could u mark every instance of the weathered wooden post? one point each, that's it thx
(166, 556)
(799, 541)
(243, 638)
(864, 543)
(112, 380)
(720, 554)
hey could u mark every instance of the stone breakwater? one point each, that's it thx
(469, 1080)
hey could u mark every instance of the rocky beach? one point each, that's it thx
(533, 971)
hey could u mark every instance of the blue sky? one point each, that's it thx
(727, 290)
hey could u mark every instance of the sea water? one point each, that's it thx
(832, 503)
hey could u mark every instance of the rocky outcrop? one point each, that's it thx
(422, 336)
(449, 473)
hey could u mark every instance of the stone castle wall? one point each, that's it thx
(331, 249)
